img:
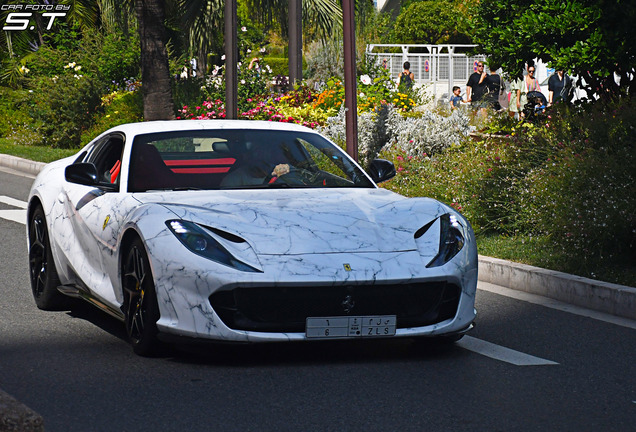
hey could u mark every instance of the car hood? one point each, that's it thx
(302, 221)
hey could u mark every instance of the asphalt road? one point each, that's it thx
(76, 370)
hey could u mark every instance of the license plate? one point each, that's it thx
(356, 326)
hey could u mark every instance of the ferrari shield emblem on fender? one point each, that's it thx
(105, 222)
(347, 267)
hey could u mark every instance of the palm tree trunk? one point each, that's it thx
(155, 72)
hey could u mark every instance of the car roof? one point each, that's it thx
(186, 125)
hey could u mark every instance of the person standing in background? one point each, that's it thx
(406, 78)
(529, 84)
(476, 88)
(495, 86)
(515, 88)
(456, 99)
(559, 85)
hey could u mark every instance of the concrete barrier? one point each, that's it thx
(19, 164)
(605, 297)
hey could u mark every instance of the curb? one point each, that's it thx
(19, 164)
(16, 417)
(618, 300)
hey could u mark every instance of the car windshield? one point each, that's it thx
(239, 159)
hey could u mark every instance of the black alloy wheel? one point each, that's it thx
(42, 271)
(140, 306)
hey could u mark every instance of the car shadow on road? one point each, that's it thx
(280, 353)
(315, 352)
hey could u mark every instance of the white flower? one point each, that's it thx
(70, 65)
(24, 70)
(77, 68)
(362, 95)
(243, 29)
(249, 50)
(366, 79)
(223, 57)
(262, 50)
(242, 81)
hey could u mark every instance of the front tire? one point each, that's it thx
(42, 271)
(140, 307)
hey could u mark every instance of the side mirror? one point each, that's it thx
(86, 174)
(381, 170)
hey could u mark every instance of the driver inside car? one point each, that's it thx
(257, 164)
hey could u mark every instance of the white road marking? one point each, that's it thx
(556, 304)
(13, 215)
(18, 216)
(13, 202)
(504, 354)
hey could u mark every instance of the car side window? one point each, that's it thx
(106, 156)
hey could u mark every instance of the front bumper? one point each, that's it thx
(223, 304)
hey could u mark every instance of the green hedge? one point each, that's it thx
(280, 65)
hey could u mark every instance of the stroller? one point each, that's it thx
(536, 105)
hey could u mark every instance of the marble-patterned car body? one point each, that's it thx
(286, 240)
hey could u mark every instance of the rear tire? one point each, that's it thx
(140, 307)
(42, 271)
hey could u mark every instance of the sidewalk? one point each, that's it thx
(600, 296)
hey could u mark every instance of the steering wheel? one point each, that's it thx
(295, 177)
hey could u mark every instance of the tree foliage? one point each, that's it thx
(431, 22)
(592, 39)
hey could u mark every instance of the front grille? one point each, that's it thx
(285, 309)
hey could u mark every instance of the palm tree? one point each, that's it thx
(155, 72)
(202, 20)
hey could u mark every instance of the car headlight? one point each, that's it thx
(451, 240)
(198, 241)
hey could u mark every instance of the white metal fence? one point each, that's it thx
(439, 66)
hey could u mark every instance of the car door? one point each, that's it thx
(93, 218)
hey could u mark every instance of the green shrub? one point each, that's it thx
(66, 107)
(279, 65)
(119, 107)
(584, 195)
(118, 60)
(189, 91)
(16, 115)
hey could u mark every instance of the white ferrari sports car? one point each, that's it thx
(245, 231)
